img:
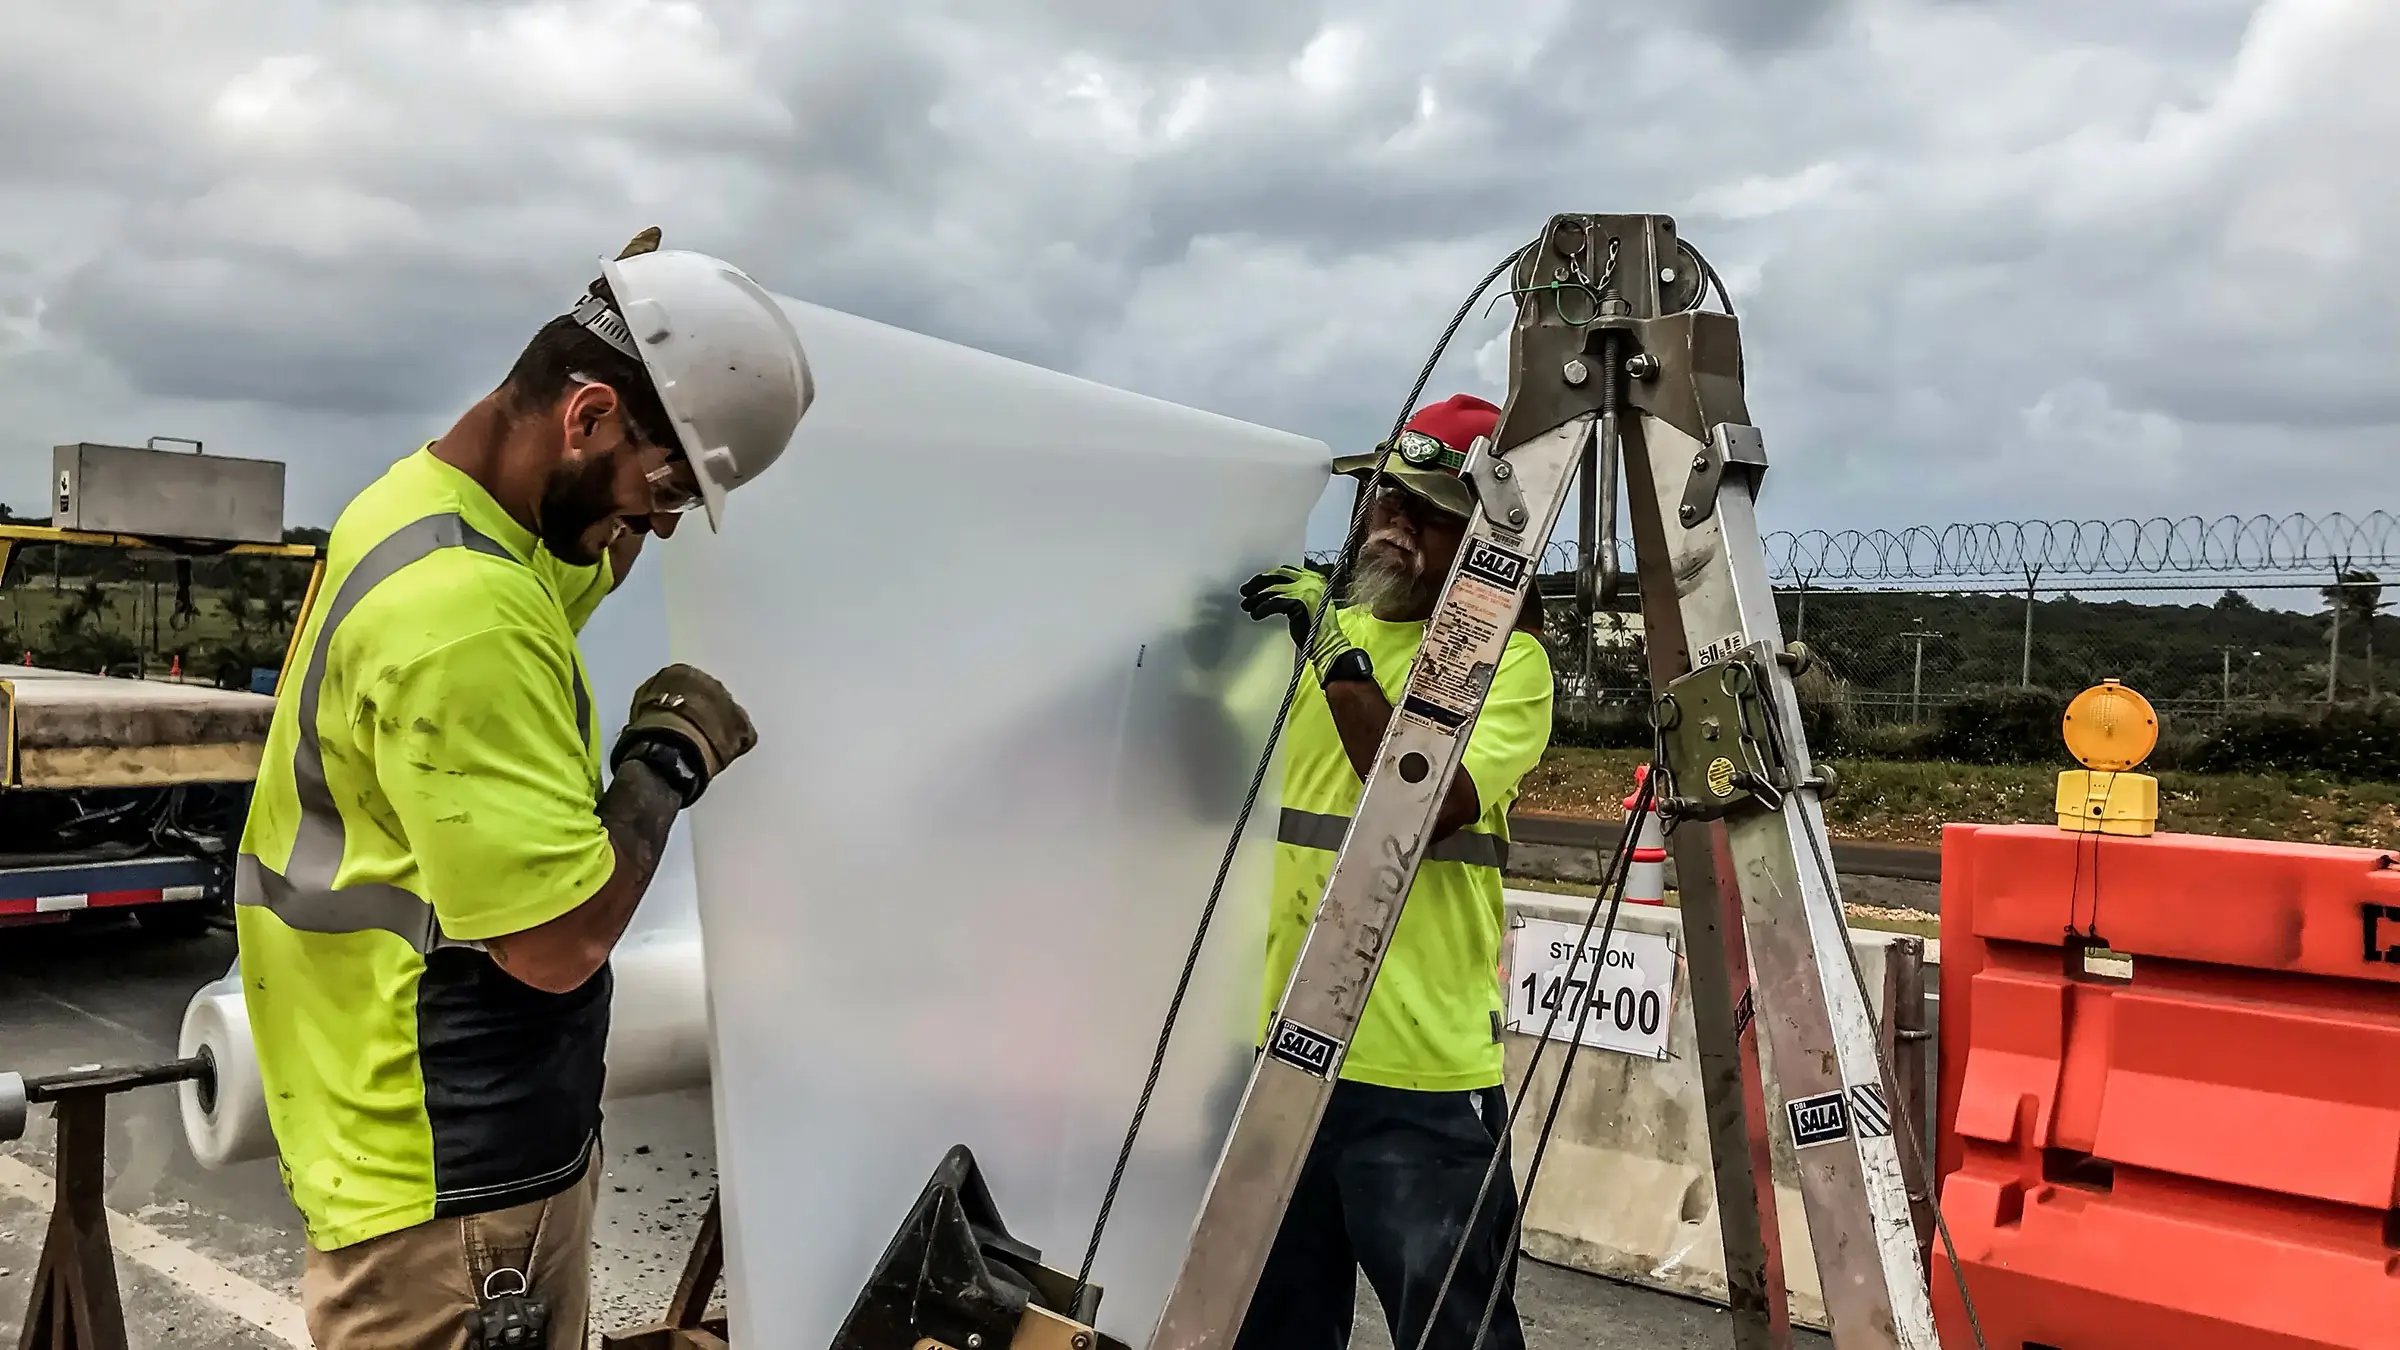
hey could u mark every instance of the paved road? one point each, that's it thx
(209, 1259)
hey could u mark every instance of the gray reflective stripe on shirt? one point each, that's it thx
(1309, 829)
(303, 894)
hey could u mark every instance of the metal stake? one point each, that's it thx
(1916, 673)
(2025, 654)
(2333, 664)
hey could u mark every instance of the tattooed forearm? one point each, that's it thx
(638, 810)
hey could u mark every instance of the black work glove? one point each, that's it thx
(1294, 593)
(685, 707)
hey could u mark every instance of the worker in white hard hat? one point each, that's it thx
(431, 879)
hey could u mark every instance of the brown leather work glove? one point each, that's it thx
(687, 702)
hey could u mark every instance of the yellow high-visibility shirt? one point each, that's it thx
(429, 782)
(1432, 1022)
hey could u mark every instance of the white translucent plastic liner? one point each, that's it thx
(985, 617)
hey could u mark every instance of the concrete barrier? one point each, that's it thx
(1626, 1189)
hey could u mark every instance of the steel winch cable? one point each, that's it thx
(1266, 758)
(1609, 900)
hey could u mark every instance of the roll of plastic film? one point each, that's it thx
(658, 1017)
(657, 1042)
(224, 1119)
(12, 1107)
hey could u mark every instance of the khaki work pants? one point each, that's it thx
(412, 1290)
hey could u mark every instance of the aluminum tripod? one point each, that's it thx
(1611, 352)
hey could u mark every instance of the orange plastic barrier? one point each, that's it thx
(2196, 1147)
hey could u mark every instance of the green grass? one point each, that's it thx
(33, 611)
(119, 631)
(1904, 802)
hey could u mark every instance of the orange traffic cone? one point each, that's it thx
(175, 667)
(1646, 878)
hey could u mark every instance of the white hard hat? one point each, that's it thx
(720, 352)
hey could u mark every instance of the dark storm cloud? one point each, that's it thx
(1761, 25)
(292, 332)
(1978, 245)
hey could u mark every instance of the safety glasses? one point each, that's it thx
(673, 490)
(673, 487)
(1418, 510)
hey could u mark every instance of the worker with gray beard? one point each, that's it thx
(1391, 1178)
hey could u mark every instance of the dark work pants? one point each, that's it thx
(1386, 1188)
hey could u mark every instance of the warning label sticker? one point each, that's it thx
(1494, 564)
(1453, 670)
(1720, 776)
(1723, 649)
(1822, 1119)
(1305, 1048)
(1869, 1111)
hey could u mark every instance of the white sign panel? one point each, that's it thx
(1632, 1001)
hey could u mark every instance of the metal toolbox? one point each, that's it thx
(121, 489)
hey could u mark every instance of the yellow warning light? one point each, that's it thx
(2110, 728)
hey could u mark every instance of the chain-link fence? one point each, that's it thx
(2208, 618)
(2205, 617)
(1897, 655)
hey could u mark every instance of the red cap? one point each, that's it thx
(1432, 450)
(1455, 421)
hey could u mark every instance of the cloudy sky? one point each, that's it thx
(1994, 257)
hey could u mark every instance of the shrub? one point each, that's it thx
(230, 664)
(2354, 740)
(1825, 716)
(1893, 740)
(1608, 726)
(2000, 726)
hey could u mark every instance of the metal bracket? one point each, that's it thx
(1730, 445)
(1495, 484)
(1721, 756)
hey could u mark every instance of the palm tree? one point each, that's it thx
(239, 596)
(2366, 597)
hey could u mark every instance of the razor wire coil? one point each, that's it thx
(2005, 554)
